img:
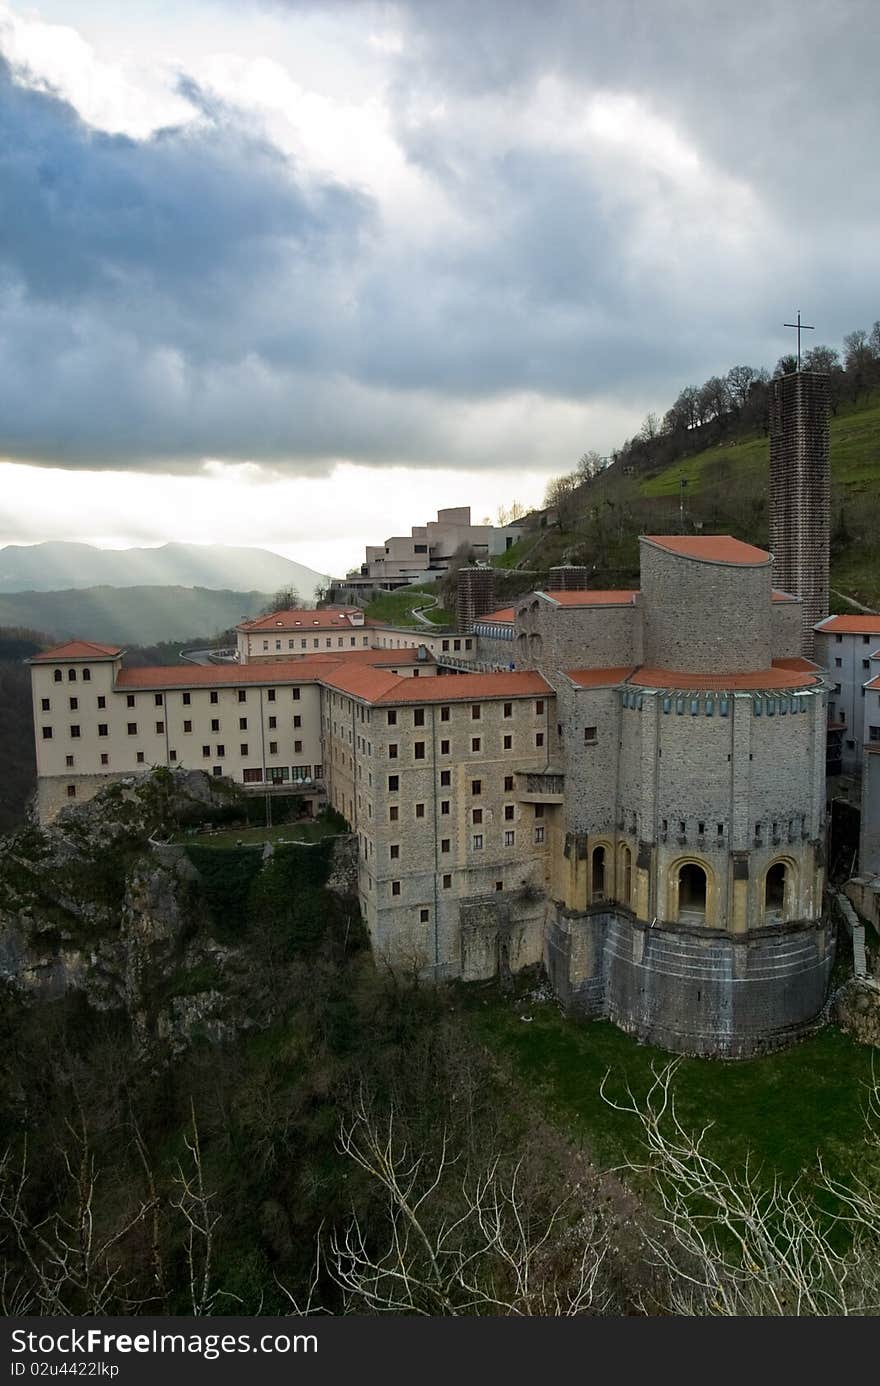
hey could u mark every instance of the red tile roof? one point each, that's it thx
(76, 649)
(797, 664)
(849, 625)
(873, 683)
(783, 596)
(328, 618)
(624, 597)
(505, 615)
(710, 548)
(458, 688)
(750, 680)
(368, 684)
(227, 675)
(600, 678)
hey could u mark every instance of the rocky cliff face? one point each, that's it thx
(95, 904)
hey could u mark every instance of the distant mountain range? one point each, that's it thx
(58, 565)
(129, 615)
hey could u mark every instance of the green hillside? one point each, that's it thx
(726, 492)
(129, 615)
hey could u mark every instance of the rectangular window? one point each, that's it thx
(172, 755)
(242, 724)
(297, 748)
(444, 748)
(140, 757)
(270, 695)
(273, 748)
(838, 663)
(157, 699)
(105, 759)
(393, 783)
(392, 717)
(394, 851)
(71, 791)
(213, 695)
(243, 749)
(419, 717)
(160, 728)
(217, 771)
(102, 701)
(866, 663)
(102, 729)
(273, 723)
(206, 751)
(444, 714)
(475, 712)
(447, 882)
(445, 779)
(186, 700)
(393, 813)
(477, 842)
(419, 750)
(187, 726)
(539, 810)
(296, 696)
(508, 709)
(838, 638)
(132, 728)
(221, 752)
(509, 837)
(252, 776)
(297, 720)
(539, 738)
(539, 833)
(71, 675)
(590, 737)
(392, 750)
(47, 733)
(215, 724)
(242, 695)
(874, 733)
(444, 807)
(476, 786)
(445, 844)
(507, 743)
(395, 887)
(539, 707)
(475, 743)
(129, 700)
(424, 916)
(74, 704)
(508, 784)
(509, 812)
(420, 810)
(68, 761)
(477, 815)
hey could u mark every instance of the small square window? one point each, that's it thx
(140, 757)
(68, 761)
(590, 736)
(132, 728)
(47, 733)
(217, 771)
(424, 916)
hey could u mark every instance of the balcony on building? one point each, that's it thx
(540, 786)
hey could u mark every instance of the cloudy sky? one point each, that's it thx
(296, 274)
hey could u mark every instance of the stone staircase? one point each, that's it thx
(857, 933)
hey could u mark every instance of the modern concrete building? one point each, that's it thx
(800, 493)
(428, 550)
(639, 804)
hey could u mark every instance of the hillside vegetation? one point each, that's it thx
(129, 615)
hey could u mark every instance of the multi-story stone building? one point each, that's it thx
(639, 803)
(844, 646)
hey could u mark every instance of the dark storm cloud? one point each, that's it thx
(196, 294)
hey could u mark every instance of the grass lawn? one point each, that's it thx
(782, 1108)
(310, 831)
(397, 607)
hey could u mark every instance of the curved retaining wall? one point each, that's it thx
(692, 991)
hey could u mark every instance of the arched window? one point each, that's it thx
(691, 894)
(774, 893)
(625, 877)
(536, 647)
(58, 676)
(597, 875)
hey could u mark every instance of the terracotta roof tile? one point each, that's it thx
(748, 680)
(600, 678)
(458, 688)
(849, 625)
(300, 619)
(227, 675)
(783, 596)
(77, 649)
(623, 597)
(710, 548)
(505, 615)
(797, 664)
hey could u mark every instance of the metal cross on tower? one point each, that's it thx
(801, 327)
